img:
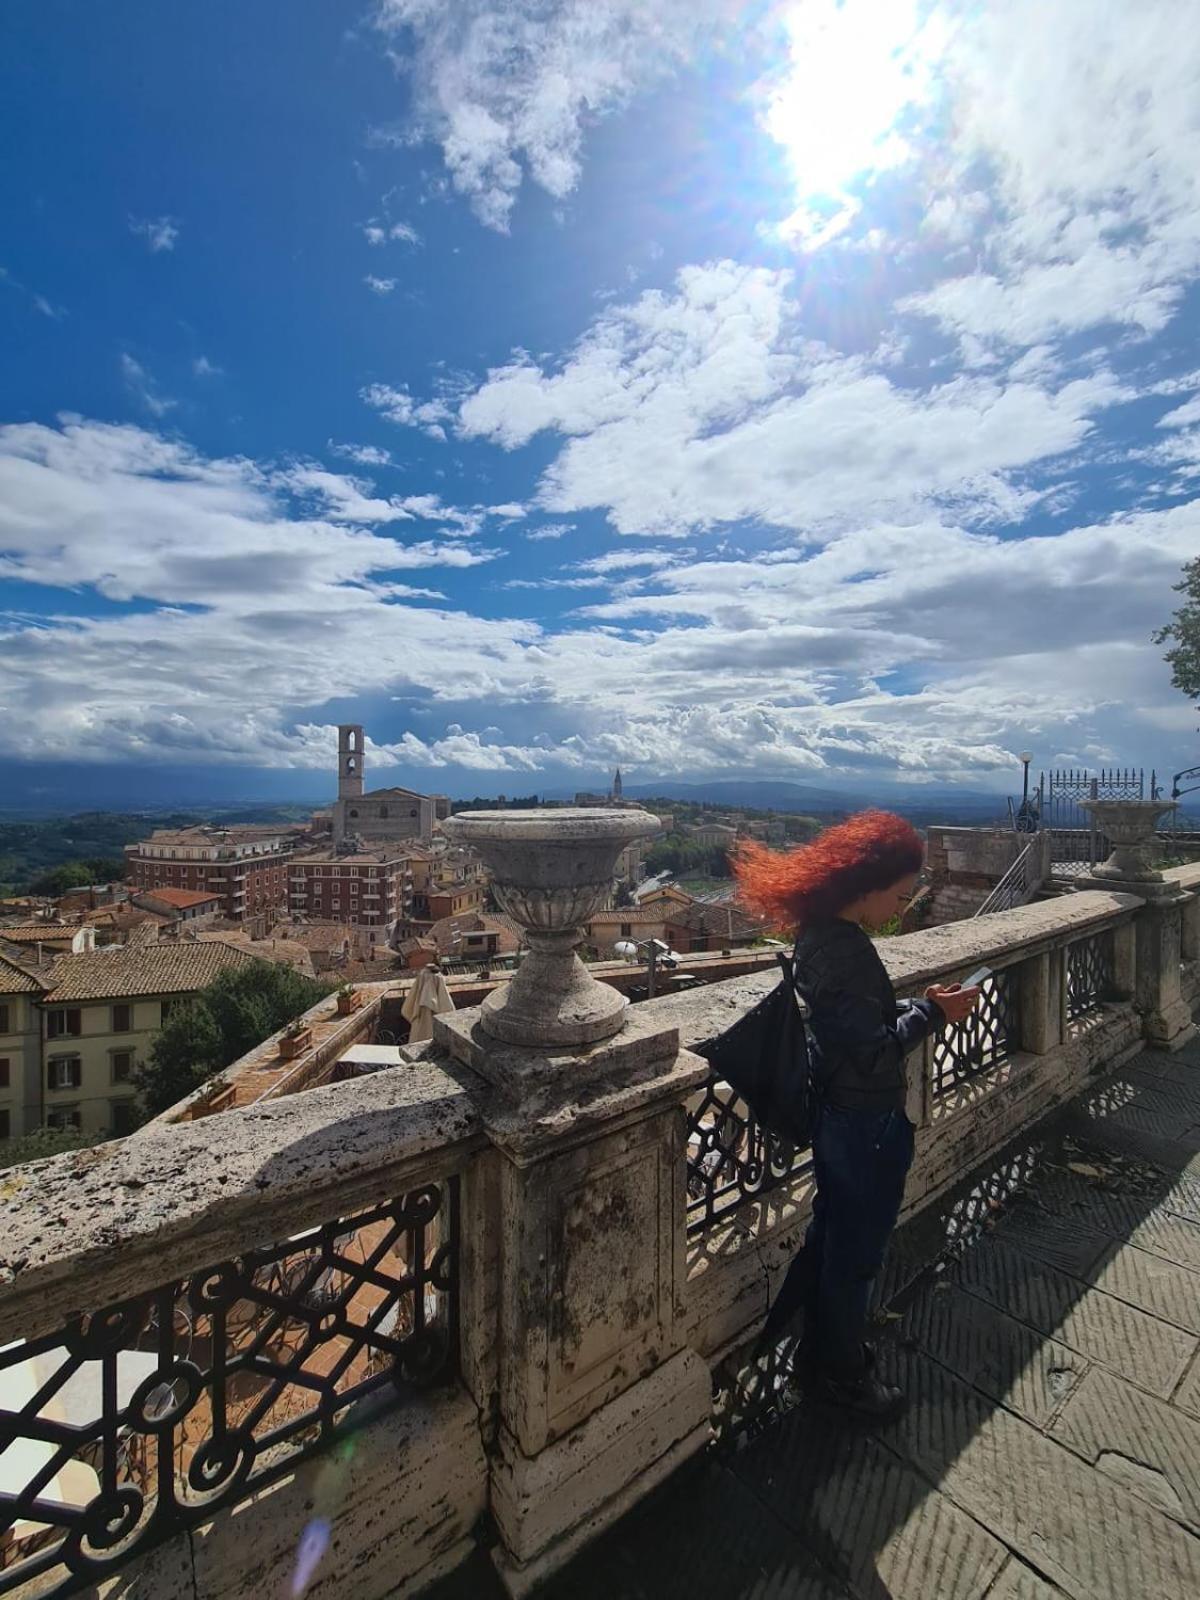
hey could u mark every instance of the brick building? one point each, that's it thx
(246, 867)
(368, 889)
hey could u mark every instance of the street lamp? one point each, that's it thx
(1025, 758)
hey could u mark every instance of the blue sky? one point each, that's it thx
(793, 390)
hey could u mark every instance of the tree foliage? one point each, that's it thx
(1184, 629)
(240, 1008)
(685, 858)
(44, 1142)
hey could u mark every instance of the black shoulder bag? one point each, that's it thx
(765, 1057)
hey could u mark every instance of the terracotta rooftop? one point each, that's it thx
(17, 978)
(175, 968)
(380, 853)
(289, 952)
(39, 932)
(442, 932)
(317, 935)
(183, 899)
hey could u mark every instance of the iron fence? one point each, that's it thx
(731, 1157)
(987, 1037)
(1089, 974)
(1076, 843)
(139, 1419)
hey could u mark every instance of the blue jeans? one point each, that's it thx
(861, 1160)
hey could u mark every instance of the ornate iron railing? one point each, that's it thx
(1015, 886)
(984, 1040)
(142, 1418)
(730, 1157)
(1089, 974)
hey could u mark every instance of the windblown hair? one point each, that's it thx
(869, 851)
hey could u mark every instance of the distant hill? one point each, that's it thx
(920, 804)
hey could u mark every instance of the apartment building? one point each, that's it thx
(246, 867)
(99, 1015)
(21, 987)
(369, 889)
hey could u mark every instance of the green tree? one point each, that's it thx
(1184, 629)
(44, 1142)
(240, 1008)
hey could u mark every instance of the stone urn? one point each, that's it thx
(550, 871)
(1129, 827)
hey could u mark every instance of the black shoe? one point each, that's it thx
(865, 1398)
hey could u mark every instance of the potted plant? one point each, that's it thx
(295, 1040)
(348, 1000)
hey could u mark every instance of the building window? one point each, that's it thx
(64, 1072)
(5, 1019)
(165, 1008)
(122, 1019)
(64, 1022)
(122, 1116)
(4, 1125)
(5, 1066)
(122, 1065)
(413, 812)
(353, 813)
(383, 811)
(626, 930)
(63, 1117)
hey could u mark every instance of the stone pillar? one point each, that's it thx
(1125, 961)
(1040, 1002)
(1189, 932)
(598, 1395)
(1157, 994)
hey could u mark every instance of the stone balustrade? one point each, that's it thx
(326, 1334)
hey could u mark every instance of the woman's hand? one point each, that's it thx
(956, 1002)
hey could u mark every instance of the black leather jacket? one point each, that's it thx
(858, 1034)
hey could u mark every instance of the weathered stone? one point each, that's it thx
(873, 1521)
(1164, 1289)
(1120, 1336)
(1151, 1448)
(550, 870)
(1091, 1536)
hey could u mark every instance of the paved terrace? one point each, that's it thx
(1045, 1321)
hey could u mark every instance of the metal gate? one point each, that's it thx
(1076, 844)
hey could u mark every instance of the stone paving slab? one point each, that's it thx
(1017, 1582)
(1062, 1241)
(1187, 1395)
(1163, 1288)
(885, 1531)
(1130, 1341)
(1027, 1372)
(1089, 1535)
(1150, 1447)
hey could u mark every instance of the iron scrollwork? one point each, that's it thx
(137, 1420)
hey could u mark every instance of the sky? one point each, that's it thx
(790, 390)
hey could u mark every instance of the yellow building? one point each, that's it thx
(22, 984)
(99, 1016)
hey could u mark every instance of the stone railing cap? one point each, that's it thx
(567, 825)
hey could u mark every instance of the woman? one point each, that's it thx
(855, 876)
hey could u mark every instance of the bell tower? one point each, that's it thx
(350, 761)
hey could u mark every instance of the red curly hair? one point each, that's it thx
(870, 850)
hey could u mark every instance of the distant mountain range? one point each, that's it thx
(774, 795)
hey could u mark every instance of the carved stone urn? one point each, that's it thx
(1129, 826)
(550, 871)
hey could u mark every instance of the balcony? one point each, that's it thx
(375, 1256)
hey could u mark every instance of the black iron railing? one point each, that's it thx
(731, 1157)
(139, 1419)
(1089, 974)
(987, 1037)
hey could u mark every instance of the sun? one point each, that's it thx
(854, 69)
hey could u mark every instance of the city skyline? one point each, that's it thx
(798, 392)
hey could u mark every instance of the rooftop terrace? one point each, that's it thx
(483, 1320)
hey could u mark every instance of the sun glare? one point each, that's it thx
(854, 68)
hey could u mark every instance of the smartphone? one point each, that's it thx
(977, 978)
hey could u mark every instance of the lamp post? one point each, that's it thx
(1025, 758)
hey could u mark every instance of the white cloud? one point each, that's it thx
(1182, 416)
(376, 232)
(550, 530)
(398, 406)
(144, 387)
(202, 367)
(505, 90)
(160, 233)
(366, 455)
(380, 285)
(684, 411)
